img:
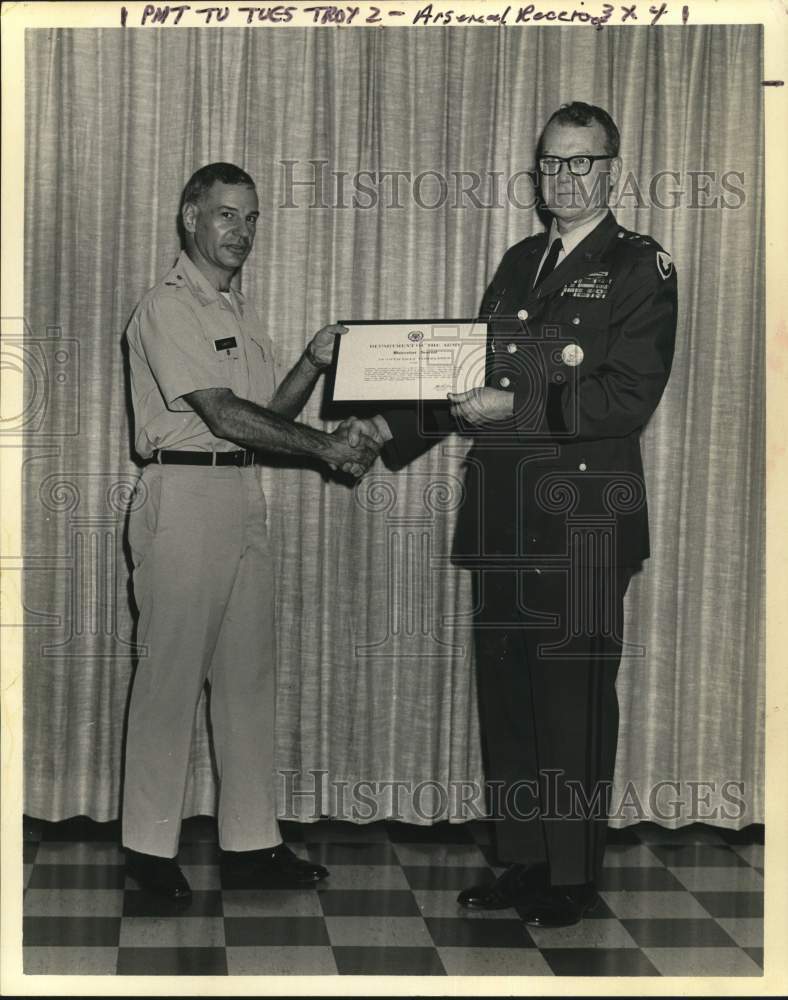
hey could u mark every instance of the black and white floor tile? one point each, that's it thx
(683, 902)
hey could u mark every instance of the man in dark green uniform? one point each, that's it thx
(582, 324)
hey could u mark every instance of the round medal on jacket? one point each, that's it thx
(572, 355)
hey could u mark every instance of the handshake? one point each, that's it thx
(355, 444)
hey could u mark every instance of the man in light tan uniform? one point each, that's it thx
(207, 401)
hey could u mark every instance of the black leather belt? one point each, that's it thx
(242, 458)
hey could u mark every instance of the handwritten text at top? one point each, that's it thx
(596, 15)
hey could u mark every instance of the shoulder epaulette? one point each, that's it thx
(645, 247)
(637, 239)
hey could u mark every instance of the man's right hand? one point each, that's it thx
(357, 428)
(355, 446)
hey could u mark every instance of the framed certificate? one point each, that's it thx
(407, 361)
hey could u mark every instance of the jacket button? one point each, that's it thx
(522, 314)
(582, 466)
(505, 382)
(575, 321)
(511, 348)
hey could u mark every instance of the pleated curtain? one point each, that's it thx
(376, 671)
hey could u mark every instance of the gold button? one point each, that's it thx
(511, 348)
(505, 383)
(522, 314)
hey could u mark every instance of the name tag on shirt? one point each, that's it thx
(228, 345)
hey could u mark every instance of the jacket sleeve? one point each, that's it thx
(620, 395)
(416, 429)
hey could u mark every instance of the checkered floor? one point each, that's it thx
(675, 903)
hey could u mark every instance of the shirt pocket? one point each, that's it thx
(586, 323)
(231, 369)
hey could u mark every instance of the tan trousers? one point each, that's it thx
(203, 583)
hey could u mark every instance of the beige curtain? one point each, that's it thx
(376, 672)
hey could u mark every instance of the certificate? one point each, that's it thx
(407, 361)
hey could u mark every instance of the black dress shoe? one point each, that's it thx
(518, 884)
(559, 906)
(161, 876)
(272, 868)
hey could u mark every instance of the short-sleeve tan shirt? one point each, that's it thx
(185, 335)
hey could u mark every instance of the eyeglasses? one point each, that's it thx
(578, 165)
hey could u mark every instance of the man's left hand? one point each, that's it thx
(320, 349)
(482, 405)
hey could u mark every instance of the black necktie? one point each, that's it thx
(549, 263)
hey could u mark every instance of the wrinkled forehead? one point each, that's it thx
(564, 140)
(239, 196)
